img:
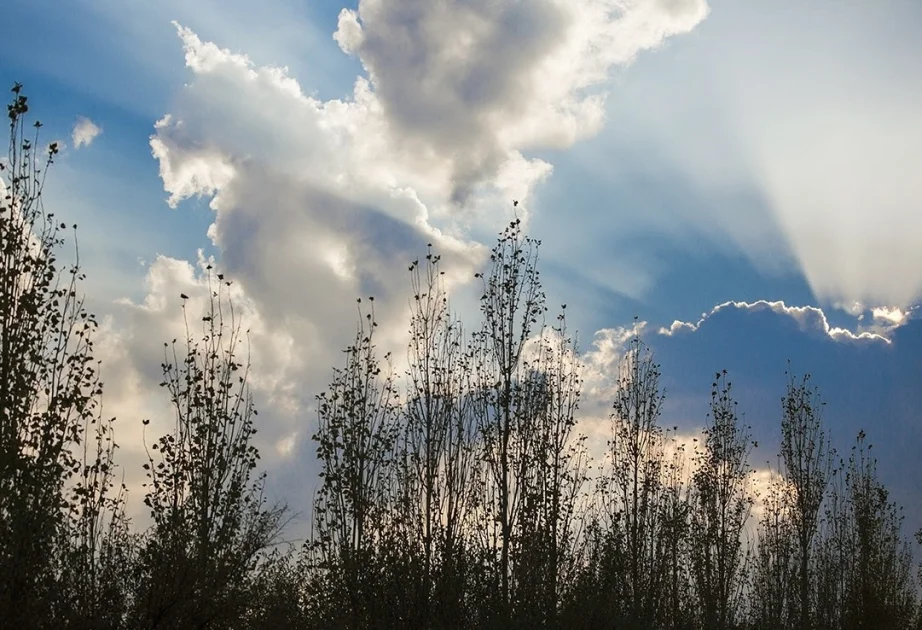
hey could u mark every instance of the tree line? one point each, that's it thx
(459, 493)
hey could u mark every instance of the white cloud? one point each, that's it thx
(472, 84)
(85, 132)
(318, 202)
(891, 316)
(807, 317)
(884, 320)
(301, 188)
(678, 327)
(601, 362)
(600, 367)
(333, 198)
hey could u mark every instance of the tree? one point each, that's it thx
(721, 506)
(807, 459)
(211, 521)
(512, 304)
(552, 477)
(775, 572)
(97, 550)
(864, 562)
(356, 437)
(50, 398)
(639, 508)
(437, 446)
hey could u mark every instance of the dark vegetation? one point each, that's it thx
(459, 494)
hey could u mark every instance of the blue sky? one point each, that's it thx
(671, 156)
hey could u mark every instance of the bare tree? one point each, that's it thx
(438, 443)
(512, 304)
(633, 492)
(552, 478)
(97, 550)
(775, 573)
(864, 562)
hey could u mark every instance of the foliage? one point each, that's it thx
(56, 554)
(210, 517)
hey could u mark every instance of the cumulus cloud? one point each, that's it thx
(309, 199)
(472, 84)
(602, 360)
(808, 318)
(333, 198)
(317, 202)
(85, 132)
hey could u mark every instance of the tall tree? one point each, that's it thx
(512, 305)
(356, 438)
(634, 495)
(722, 504)
(807, 458)
(50, 392)
(438, 444)
(211, 520)
(864, 561)
(775, 571)
(97, 550)
(552, 477)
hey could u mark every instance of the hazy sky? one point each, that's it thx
(743, 177)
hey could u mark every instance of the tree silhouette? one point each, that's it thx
(210, 518)
(721, 507)
(55, 447)
(807, 458)
(456, 494)
(356, 435)
(511, 306)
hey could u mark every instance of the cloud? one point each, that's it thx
(601, 362)
(790, 138)
(836, 157)
(301, 188)
(890, 315)
(854, 308)
(678, 327)
(85, 132)
(473, 84)
(808, 318)
(333, 198)
(317, 202)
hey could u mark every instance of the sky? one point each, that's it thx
(734, 181)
